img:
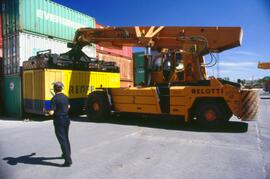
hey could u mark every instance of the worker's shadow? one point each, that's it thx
(29, 159)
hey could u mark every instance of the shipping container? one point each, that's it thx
(1, 96)
(126, 84)
(138, 67)
(124, 52)
(20, 46)
(125, 64)
(1, 41)
(12, 100)
(1, 67)
(43, 17)
(38, 87)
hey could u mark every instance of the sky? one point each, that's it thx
(238, 63)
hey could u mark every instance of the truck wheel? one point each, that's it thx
(97, 106)
(210, 114)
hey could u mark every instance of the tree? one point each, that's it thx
(239, 81)
(226, 78)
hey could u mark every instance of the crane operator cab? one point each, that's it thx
(165, 68)
(179, 67)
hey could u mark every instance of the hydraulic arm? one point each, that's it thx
(191, 42)
(207, 39)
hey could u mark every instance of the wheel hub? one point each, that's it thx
(96, 106)
(210, 115)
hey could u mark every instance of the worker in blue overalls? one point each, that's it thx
(59, 108)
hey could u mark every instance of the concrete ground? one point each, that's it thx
(133, 147)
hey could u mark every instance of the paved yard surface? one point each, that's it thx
(133, 147)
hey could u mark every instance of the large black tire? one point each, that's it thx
(211, 114)
(97, 106)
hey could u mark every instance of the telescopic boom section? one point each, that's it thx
(264, 65)
(214, 39)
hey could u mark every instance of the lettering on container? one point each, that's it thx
(207, 91)
(57, 19)
(78, 89)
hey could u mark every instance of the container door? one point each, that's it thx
(138, 67)
(12, 96)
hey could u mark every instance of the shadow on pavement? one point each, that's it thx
(27, 117)
(28, 159)
(36, 117)
(265, 97)
(169, 123)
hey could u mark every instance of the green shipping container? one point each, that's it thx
(1, 95)
(42, 17)
(12, 96)
(138, 67)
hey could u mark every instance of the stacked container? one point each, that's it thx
(1, 43)
(30, 26)
(1, 49)
(126, 67)
(123, 58)
(138, 68)
(1, 68)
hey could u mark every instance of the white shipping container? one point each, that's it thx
(19, 47)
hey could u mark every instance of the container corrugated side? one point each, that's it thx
(125, 64)
(138, 67)
(37, 87)
(126, 84)
(1, 40)
(43, 17)
(20, 46)
(124, 52)
(1, 67)
(12, 96)
(1, 96)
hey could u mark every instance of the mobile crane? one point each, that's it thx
(176, 81)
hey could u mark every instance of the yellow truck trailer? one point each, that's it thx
(38, 89)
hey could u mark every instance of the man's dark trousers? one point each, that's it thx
(61, 126)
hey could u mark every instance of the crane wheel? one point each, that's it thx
(249, 105)
(97, 106)
(211, 114)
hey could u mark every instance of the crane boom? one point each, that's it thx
(210, 39)
(264, 65)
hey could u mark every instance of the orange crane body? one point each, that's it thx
(176, 82)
